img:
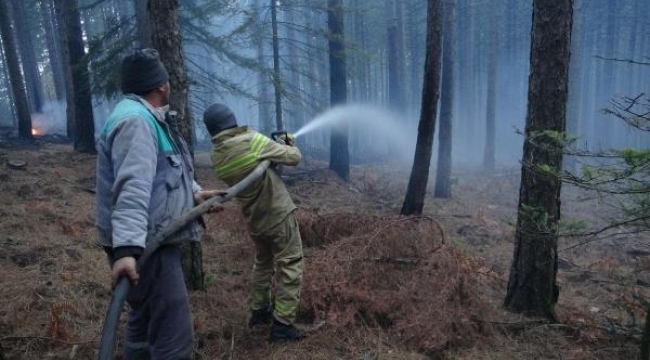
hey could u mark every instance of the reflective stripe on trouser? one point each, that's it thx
(280, 246)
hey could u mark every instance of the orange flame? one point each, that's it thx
(35, 132)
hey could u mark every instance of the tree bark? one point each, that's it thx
(32, 76)
(417, 187)
(143, 26)
(15, 75)
(532, 287)
(339, 153)
(166, 38)
(277, 75)
(84, 140)
(443, 174)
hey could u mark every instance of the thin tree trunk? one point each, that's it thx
(417, 187)
(490, 123)
(575, 80)
(361, 66)
(296, 106)
(60, 15)
(339, 152)
(277, 75)
(532, 287)
(166, 38)
(143, 26)
(443, 175)
(416, 43)
(264, 95)
(54, 53)
(84, 140)
(26, 47)
(7, 83)
(395, 56)
(15, 75)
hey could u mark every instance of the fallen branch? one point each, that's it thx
(629, 61)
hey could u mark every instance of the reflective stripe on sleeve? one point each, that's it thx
(245, 160)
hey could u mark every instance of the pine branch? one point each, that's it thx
(629, 61)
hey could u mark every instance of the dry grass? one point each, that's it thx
(376, 286)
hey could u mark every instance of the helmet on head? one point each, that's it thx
(217, 118)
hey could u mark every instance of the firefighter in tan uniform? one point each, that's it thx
(269, 211)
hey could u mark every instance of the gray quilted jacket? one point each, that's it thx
(145, 178)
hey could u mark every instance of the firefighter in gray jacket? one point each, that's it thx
(145, 180)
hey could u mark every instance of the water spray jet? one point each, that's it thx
(380, 124)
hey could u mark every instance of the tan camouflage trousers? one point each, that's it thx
(279, 253)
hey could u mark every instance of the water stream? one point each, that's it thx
(379, 127)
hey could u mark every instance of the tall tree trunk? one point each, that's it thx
(575, 79)
(606, 78)
(26, 47)
(532, 287)
(277, 75)
(339, 153)
(143, 26)
(314, 87)
(15, 75)
(166, 38)
(84, 140)
(53, 48)
(443, 175)
(490, 121)
(417, 187)
(361, 66)
(7, 85)
(395, 55)
(265, 121)
(416, 44)
(296, 107)
(59, 12)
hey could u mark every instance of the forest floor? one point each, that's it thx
(376, 286)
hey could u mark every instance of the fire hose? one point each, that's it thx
(121, 290)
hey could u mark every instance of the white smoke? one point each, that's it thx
(52, 121)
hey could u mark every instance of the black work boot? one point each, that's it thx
(282, 332)
(260, 317)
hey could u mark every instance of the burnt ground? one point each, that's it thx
(376, 286)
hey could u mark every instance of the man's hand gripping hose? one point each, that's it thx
(121, 290)
(283, 137)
